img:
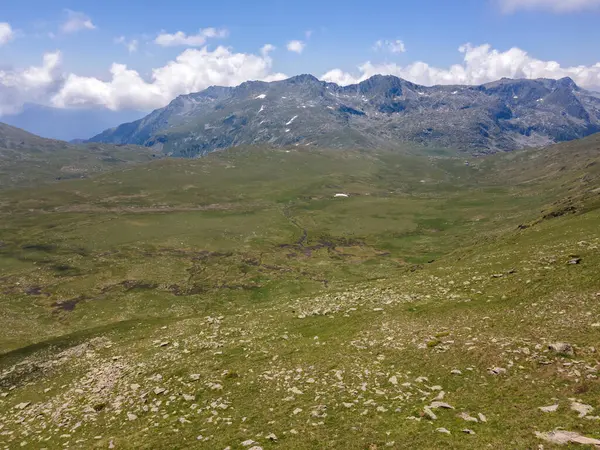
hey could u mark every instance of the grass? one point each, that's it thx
(262, 304)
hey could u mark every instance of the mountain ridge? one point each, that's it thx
(381, 111)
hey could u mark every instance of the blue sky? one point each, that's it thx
(335, 35)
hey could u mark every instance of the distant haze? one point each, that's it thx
(68, 124)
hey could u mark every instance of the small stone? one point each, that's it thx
(195, 376)
(562, 348)
(297, 411)
(271, 437)
(164, 344)
(442, 430)
(456, 372)
(550, 408)
(566, 437)
(467, 431)
(189, 398)
(582, 409)
(159, 391)
(467, 417)
(443, 405)
(482, 418)
(296, 391)
(429, 413)
(131, 416)
(574, 261)
(248, 443)
(497, 371)
(393, 380)
(23, 405)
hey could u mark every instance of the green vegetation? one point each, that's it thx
(211, 302)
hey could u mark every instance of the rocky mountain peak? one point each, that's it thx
(382, 111)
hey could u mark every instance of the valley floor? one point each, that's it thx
(435, 307)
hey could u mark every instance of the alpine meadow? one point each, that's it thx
(351, 261)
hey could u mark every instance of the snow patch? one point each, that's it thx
(340, 195)
(261, 96)
(291, 120)
(262, 108)
(287, 130)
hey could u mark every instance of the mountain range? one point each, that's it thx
(380, 112)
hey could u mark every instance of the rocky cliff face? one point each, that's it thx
(383, 111)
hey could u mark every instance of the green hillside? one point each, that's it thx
(235, 301)
(28, 160)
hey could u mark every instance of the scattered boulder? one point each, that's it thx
(566, 437)
(482, 417)
(582, 409)
(23, 405)
(442, 430)
(497, 371)
(467, 431)
(562, 348)
(443, 405)
(467, 417)
(574, 261)
(550, 408)
(456, 372)
(429, 413)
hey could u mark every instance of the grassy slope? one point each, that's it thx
(27, 159)
(264, 285)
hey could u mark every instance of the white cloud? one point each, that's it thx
(266, 49)
(6, 33)
(296, 46)
(396, 46)
(131, 45)
(31, 84)
(558, 6)
(76, 21)
(192, 71)
(193, 40)
(480, 64)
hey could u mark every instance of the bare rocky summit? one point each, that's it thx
(381, 112)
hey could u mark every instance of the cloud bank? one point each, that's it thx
(481, 64)
(192, 71)
(195, 69)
